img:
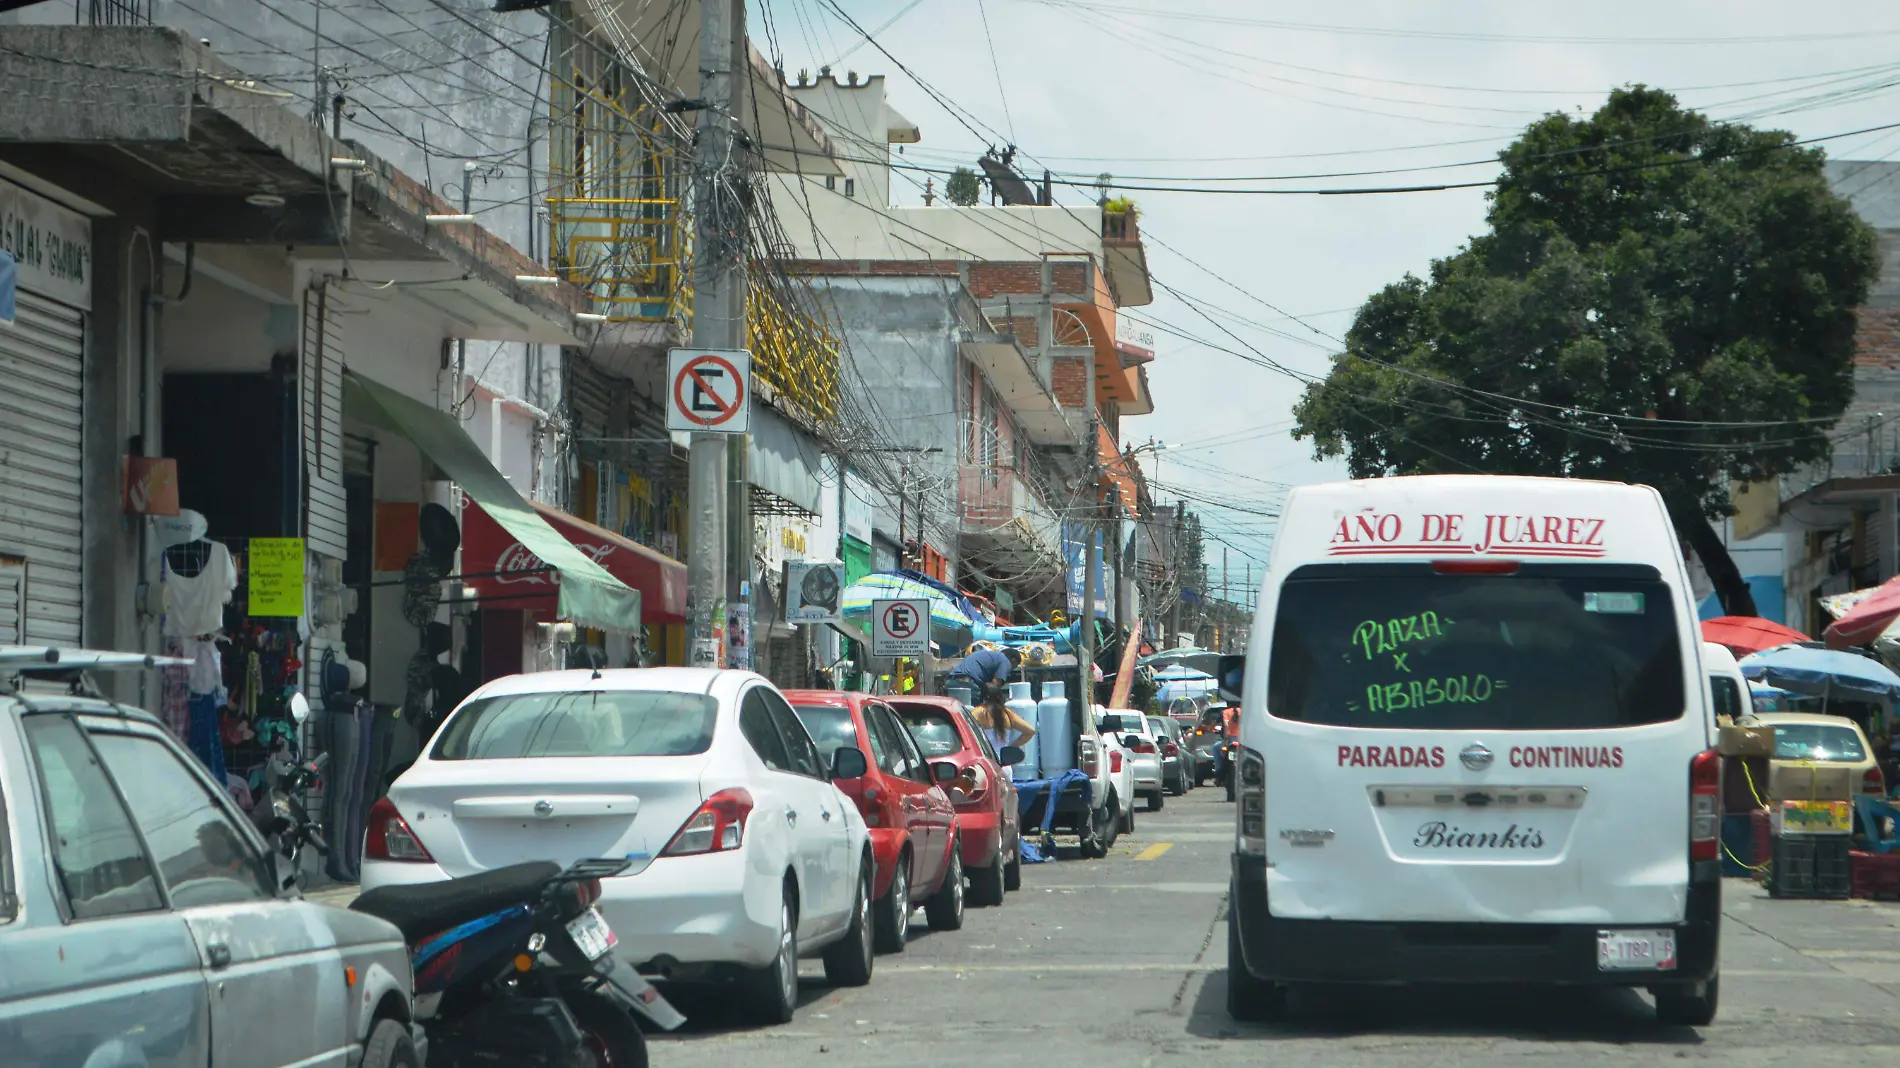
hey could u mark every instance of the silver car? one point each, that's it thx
(143, 921)
(1175, 775)
(1144, 750)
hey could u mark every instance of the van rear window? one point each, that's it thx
(1551, 647)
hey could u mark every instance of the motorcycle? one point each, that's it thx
(515, 967)
(280, 813)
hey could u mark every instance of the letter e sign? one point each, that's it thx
(709, 390)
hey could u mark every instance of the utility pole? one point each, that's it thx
(1180, 587)
(1226, 595)
(720, 193)
(1091, 554)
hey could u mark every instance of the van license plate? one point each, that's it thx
(591, 934)
(1636, 951)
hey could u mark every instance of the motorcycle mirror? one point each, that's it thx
(299, 708)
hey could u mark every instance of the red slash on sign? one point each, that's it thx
(709, 391)
(900, 620)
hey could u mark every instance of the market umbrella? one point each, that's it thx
(1870, 615)
(950, 626)
(1821, 672)
(1181, 671)
(1748, 634)
(1202, 660)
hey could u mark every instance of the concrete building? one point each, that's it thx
(969, 335)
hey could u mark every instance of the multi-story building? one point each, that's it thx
(983, 376)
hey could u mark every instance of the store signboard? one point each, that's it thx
(1134, 339)
(813, 592)
(51, 246)
(276, 577)
(858, 512)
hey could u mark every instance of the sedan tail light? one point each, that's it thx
(718, 825)
(387, 836)
(1874, 783)
(1170, 749)
(1145, 748)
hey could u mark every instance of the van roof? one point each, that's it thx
(1439, 516)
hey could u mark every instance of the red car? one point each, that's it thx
(914, 829)
(985, 796)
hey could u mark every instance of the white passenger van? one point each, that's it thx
(1476, 747)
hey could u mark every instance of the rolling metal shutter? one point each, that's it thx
(326, 511)
(42, 358)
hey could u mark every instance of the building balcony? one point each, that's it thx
(1125, 259)
(1007, 520)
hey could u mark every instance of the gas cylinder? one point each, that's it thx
(1024, 706)
(1054, 739)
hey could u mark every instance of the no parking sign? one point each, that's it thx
(900, 627)
(708, 390)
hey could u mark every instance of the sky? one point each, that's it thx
(1178, 92)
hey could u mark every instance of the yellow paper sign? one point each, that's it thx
(276, 576)
(1816, 817)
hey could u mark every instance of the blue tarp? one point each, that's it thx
(1031, 791)
(1817, 672)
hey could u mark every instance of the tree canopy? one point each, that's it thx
(1659, 298)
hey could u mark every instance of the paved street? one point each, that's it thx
(1120, 962)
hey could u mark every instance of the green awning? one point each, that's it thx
(590, 596)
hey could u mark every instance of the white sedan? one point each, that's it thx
(746, 857)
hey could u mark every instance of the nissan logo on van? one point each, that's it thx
(1475, 756)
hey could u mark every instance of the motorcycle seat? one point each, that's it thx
(424, 909)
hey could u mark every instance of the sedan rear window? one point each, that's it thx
(932, 730)
(585, 723)
(830, 726)
(1549, 647)
(1818, 741)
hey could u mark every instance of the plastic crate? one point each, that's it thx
(1875, 875)
(1833, 867)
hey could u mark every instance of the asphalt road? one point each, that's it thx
(1122, 961)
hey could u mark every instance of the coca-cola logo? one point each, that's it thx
(516, 565)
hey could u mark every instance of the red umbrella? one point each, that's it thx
(1864, 622)
(1748, 634)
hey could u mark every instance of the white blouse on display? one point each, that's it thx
(194, 604)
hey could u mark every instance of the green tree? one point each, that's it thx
(962, 188)
(1659, 299)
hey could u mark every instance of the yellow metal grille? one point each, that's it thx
(792, 350)
(617, 222)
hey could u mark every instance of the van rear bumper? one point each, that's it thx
(1342, 951)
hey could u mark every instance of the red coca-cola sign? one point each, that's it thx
(505, 574)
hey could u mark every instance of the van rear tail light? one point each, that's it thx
(386, 836)
(1251, 804)
(1705, 806)
(718, 825)
(1475, 567)
(1873, 783)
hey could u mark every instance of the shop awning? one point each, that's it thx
(589, 595)
(783, 460)
(505, 572)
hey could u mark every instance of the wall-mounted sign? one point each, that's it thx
(900, 627)
(149, 486)
(710, 390)
(813, 592)
(1133, 339)
(51, 244)
(276, 577)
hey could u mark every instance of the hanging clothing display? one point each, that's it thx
(194, 604)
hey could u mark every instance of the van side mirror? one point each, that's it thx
(944, 771)
(1229, 676)
(848, 763)
(1111, 725)
(1011, 756)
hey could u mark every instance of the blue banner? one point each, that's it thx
(1075, 554)
(9, 278)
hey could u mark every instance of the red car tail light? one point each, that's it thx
(1874, 783)
(386, 836)
(1705, 806)
(718, 825)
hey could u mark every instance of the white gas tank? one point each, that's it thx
(1025, 706)
(1054, 740)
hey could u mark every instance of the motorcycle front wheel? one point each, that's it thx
(609, 1036)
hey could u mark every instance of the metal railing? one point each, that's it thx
(1862, 448)
(792, 350)
(994, 497)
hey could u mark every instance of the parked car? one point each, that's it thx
(913, 826)
(1174, 759)
(132, 889)
(1203, 744)
(1119, 769)
(1144, 750)
(746, 854)
(983, 792)
(1823, 741)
